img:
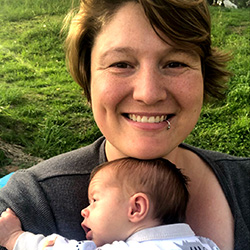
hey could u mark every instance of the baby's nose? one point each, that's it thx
(85, 213)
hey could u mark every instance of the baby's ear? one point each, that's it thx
(138, 207)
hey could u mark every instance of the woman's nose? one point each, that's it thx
(85, 212)
(149, 86)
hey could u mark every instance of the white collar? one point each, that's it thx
(163, 232)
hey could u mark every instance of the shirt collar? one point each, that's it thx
(162, 232)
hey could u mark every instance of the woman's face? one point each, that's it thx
(137, 83)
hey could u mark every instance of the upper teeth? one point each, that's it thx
(149, 119)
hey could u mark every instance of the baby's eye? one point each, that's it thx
(91, 201)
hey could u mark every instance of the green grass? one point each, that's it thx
(12, 10)
(43, 110)
(225, 126)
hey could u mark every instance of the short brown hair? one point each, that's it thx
(159, 179)
(186, 22)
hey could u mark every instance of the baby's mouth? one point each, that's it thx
(88, 232)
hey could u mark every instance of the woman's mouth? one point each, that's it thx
(147, 118)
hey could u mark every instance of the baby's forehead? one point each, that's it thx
(103, 177)
(104, 171)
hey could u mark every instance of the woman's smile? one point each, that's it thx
(149, 122)
(146, 119)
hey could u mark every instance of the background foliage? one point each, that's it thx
(42, 109)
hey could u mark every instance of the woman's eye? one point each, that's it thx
(176, 65)
(121, 65)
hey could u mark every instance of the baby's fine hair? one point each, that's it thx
(159, 179)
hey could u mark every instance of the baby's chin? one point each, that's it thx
(101, 242)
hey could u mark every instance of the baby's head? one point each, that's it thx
(159, 179)
(129, 194)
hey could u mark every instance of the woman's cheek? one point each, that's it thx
(191, 91)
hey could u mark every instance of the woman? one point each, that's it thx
(146, 67)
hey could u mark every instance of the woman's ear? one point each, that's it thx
(138, 207)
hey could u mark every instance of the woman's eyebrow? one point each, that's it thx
(129, 50)
(117, 50)
(172, 51)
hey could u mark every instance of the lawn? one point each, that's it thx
(43, 110)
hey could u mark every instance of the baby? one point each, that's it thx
(134, 204)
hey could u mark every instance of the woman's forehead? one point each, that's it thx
(129, 32)
(127, 19)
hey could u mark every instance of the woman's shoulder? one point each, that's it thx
(217, 157)
(224, 165)
(78, 161)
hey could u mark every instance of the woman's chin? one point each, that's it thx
(148, 153)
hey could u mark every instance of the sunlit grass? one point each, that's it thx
(225, 126)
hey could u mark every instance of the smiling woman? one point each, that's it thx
(146, 69)
(158, 80)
